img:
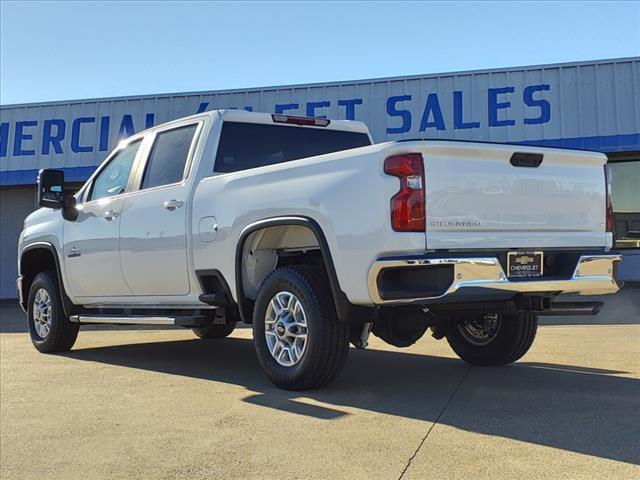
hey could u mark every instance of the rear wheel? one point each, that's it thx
(492, 339)
(220, 330)
(298, 338)
(223, 322)
(49, 328)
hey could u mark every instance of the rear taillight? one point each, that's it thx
(408, 205)
(609, 204)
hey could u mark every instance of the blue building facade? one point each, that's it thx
(587, 105)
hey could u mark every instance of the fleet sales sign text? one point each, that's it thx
(398, 108)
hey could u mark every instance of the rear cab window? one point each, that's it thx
(249, 145)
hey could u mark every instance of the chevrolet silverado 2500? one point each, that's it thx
(307, 230)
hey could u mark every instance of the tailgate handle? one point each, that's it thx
(521, 159)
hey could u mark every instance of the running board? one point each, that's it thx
(141, 320)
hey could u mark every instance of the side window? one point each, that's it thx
(168, 157)
(113, 179)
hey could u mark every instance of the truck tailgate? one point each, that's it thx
(477, 198)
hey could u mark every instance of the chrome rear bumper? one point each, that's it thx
(593, 275)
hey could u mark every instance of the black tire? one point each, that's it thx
(513, 338)
(327, 342)
(62, 333)
(400, 327)
(218, 330)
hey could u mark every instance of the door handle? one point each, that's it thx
(173, 204)
(110, 215)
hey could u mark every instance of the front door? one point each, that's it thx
(153, 229)
(91, 253)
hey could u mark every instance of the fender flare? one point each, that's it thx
(67, 306)
(342, 304)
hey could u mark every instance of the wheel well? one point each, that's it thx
(42, 259)
(32, 263)
(274, 242)
(287, 241)
(271, 247)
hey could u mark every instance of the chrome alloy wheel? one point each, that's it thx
(481, 331)
(285, 328)
(42, 313)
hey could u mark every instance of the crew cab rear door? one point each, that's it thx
(153, 229)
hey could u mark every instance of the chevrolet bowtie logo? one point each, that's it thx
(525, 260)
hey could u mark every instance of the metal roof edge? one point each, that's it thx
(326, 84)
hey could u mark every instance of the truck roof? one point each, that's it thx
(233, 115)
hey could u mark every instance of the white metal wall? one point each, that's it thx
(15, 205)
(592, 105)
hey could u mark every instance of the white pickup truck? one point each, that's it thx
(307, 230)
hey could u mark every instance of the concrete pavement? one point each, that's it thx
(159, 403)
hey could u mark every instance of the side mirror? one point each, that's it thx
(51, 189)
(51, 194)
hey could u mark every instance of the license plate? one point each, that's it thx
(524, 264)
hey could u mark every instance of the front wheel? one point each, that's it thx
(298, 338)
(492, 339)
(49, 328)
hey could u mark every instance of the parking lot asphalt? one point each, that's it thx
(129, 403)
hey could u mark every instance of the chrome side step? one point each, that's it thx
(140, 320)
